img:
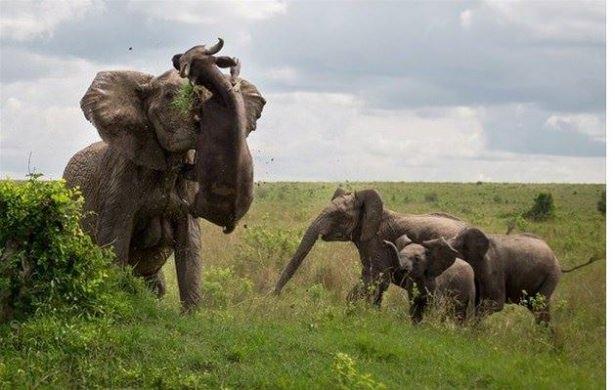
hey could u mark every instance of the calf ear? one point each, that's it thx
(372, 208)
(339, 192)
(393, 253)
(440, 256)
(402, 242)
(472, 244)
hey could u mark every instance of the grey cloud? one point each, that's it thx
(392, 57)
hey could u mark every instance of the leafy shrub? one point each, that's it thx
(222, 287)
(543, 207)
(47, 263)
(347, 377)
(602, 203)
(264, 246)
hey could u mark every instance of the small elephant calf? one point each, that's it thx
(435, 268)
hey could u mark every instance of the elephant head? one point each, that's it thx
(134, 114)
(426, 260)
(473, 244)
(349, 216)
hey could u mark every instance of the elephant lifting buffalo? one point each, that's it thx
(159, 168)
(138, 197)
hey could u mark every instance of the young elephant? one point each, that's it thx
(517, 268)
(433, 267)
(223, 164)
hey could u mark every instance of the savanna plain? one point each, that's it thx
(244, 337)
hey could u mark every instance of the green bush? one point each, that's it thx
(47, 263)
(602, 203)
(222, 287)
(543, 207)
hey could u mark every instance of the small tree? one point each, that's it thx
(543, 207)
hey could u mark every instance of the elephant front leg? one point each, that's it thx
(188, 261)
(114, 229)
(418, 294)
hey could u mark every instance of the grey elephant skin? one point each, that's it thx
(361, 218)
(134, 192)
(517, 268)
(223, 166)
(434, 267)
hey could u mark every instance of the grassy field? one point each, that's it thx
(245, 338)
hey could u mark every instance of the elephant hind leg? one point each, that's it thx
(540, 304)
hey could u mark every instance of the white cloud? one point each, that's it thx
(465, 18)
(26, 20)
(43, 117)
(489, 104)
(576, 21)
(206, 12)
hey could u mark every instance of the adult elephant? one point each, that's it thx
(134, 190)
(360, 217)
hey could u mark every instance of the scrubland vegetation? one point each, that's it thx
(308, 337)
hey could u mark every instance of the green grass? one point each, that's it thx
(244, 338)
(184, 99)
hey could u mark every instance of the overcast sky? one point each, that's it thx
(429, 91)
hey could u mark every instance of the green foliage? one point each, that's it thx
(47, 263)
(184, 99)
(348, 378)
(602, 203)
(543, 207)
(290, 341)
(222, 287)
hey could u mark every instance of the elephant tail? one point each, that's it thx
(591, 260)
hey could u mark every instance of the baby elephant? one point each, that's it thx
(223, 165)
(435, 268)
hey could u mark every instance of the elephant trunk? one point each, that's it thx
(310, 236)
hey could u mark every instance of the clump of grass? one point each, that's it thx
(348, 377)
(184, 99)
(543, 207)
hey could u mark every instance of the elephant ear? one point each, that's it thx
(393, 254)
(254, 103)
(339, 192)
(402, 242)
(114, 105)
(372, 208)
(472, 244)
(440, 256)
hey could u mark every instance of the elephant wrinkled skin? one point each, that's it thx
(134, 193)
(361, 218)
